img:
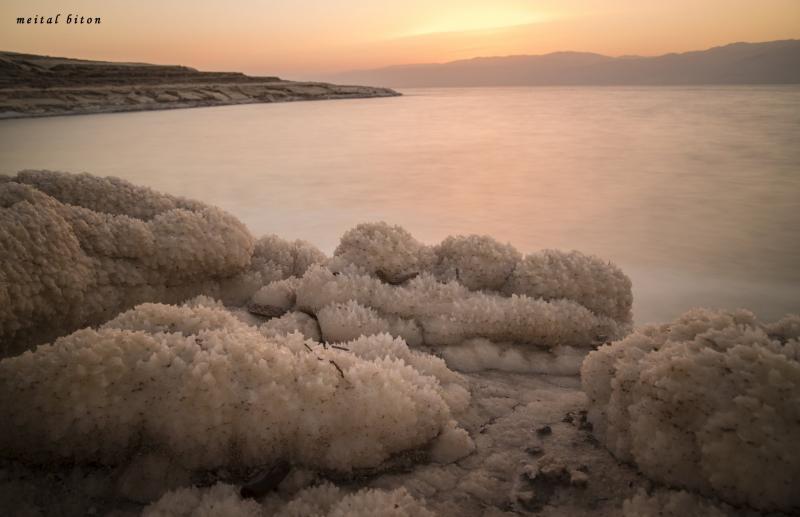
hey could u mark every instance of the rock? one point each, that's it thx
(545, 477)
(266, 481)
(578, 478)
(534, 450)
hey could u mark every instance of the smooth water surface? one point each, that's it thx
(694, 192)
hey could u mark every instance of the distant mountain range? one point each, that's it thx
(774, 62)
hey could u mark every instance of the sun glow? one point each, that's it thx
(311, 38)
(470, 20)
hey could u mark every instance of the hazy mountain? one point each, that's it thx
(774, 62)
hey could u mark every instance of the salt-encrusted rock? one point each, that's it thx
(480, 263)
(220, 500)
(275, 298)
(273, 260)
(598, 285)
(206, 390)
(384, 346)
(349, 320)
(104, 195)
(466, 290)
(325, 500)
(380, 249)
(276, 258)
(352, 304)
(330, 501)
(710, 402)
(346, 321)
(453, 444)
(476, 261)
(76, 250)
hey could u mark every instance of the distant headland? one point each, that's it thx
(32, 86)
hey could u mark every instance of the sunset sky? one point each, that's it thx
(300, 38)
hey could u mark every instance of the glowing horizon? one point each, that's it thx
(308, 37)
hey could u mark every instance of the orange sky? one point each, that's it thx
(300, 38)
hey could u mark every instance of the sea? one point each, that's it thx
(693, 191)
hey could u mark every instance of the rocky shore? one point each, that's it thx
(36, 86)
(157, 359)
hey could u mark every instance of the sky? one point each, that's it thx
(304, 38)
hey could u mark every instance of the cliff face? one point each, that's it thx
(33, 85)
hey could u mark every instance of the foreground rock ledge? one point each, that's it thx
(39, 86)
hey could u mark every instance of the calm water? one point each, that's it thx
(695, 192)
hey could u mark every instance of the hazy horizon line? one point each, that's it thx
(411, 64)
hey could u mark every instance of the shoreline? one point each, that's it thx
(42, 86)
(55, 102)
(464, 377)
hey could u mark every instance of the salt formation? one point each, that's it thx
(477, 262)
(589, 281)
(349, 320)
(203, 388)
(480, 263)
(77, 250)
(710, 402)
(276, 259)
(471, 292)
(324, 500)
(220, 500)
(292, 322)
(386, 251)
(383, 345)
(274, 299)
(425, 311)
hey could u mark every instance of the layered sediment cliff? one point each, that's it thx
(32, 86)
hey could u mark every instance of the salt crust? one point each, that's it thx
(481, 302)
(480, 263)
(710, 402)
(325, 500)
(292, 322)
(426, 311)
(78, 249)
(207, 390)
